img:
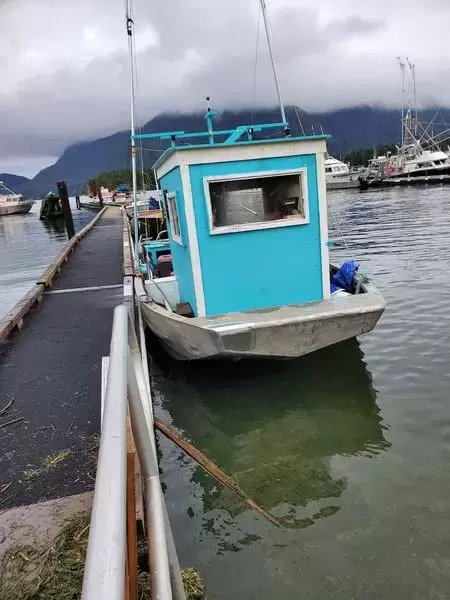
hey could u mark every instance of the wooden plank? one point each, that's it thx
(211, 468)
(54, 267)
(14, 318)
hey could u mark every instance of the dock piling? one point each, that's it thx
(65, 205)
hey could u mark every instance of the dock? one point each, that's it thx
(407, 181)
(77, 436)
(50, 371)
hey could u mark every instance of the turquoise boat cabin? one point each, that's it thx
(246, 221)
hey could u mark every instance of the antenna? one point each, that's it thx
(402, 70)
(274, 68)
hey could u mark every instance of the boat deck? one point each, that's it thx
(51, 373)
(296, 312)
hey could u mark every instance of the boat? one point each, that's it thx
(11, 203)
(244, 270)
(419, 158)
(415, 161)
(51, 208)
(338, 176)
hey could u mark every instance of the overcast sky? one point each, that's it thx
(64, 63)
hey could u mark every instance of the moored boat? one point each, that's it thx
(338, 176)
(11, 203)
(245, 269)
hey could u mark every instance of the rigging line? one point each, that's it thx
(341, 233)
(256, 63)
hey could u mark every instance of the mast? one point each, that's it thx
(402, 70)
(272, 59)
(412, 68)
(130, 28)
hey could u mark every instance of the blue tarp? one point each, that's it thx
(344, 279)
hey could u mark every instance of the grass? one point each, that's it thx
(55, 572)
(51, 573)
(49, 462)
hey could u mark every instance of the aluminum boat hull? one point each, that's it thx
(14, 209)
(285, 332)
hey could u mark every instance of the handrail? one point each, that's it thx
(104, 575)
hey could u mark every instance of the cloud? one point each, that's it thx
(65, 76)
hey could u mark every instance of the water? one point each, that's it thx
(349, 447)
(27, 246)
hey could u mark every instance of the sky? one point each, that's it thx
(65, 74)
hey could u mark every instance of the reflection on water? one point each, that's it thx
(55, 226)
(275, 426)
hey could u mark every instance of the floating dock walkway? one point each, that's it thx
(50, 372)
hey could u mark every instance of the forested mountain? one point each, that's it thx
(349, 128)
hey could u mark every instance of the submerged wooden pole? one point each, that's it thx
(65, 205)
(211, 468)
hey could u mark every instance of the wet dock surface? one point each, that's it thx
(50, 375)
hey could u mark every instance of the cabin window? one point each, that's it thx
(173, 217)
(328, 169)
(257, 201)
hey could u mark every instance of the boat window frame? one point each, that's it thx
(302, 173)
(171, 201)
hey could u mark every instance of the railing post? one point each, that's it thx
(142, 383)
(160, 586)
(104, 575)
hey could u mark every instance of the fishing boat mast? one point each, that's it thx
(412, 68)
(274, 67)
(402, 71)
(130, 31)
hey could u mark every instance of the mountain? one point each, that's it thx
(350, 129)
(12, 181)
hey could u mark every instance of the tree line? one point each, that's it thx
(113, 179)
(361, 156)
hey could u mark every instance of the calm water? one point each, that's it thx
(27, 246)
(350, 447)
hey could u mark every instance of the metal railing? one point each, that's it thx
(104, 576)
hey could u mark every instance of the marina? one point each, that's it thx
(227, 351)
(338, 488)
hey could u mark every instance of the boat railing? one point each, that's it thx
(111, 557)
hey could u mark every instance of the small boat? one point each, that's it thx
(51, 208)
(338, 176)
(244, 270)
(11, 203)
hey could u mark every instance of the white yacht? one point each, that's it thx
(11, 203)
(338, 176)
